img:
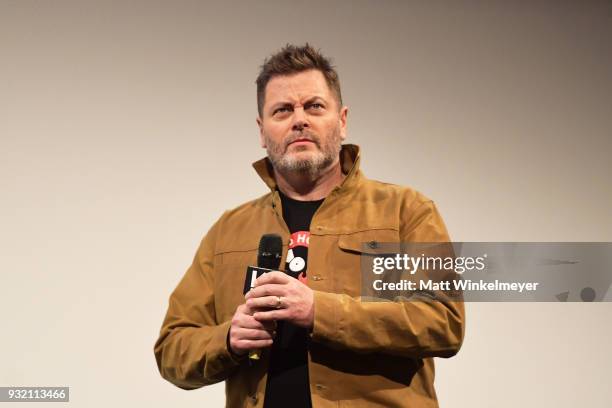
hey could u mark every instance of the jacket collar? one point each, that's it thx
(349, 161)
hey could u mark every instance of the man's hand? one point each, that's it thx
(247, 334)
(284, 297)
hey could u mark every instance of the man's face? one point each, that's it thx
(301, 126)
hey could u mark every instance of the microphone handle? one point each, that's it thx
(252, 274)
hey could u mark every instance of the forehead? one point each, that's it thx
(297, 86)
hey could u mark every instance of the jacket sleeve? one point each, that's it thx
(416, 329)
(192, 350)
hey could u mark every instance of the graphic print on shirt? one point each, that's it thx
(297, 255)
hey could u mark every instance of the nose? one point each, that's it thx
(299, 119)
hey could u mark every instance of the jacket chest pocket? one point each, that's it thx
(230, 275)
(348, 265)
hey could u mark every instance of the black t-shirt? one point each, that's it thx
(288, 384)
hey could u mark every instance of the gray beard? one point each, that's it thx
(311, 167)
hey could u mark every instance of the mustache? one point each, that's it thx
(304, 134)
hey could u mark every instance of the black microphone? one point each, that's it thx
(270, 250)
(269, 257)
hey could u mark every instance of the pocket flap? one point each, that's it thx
(370, 241)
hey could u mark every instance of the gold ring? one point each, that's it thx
(279, 302)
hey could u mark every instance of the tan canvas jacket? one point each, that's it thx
(362, 354)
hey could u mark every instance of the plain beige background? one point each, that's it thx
(127, 128)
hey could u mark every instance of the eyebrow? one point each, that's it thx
(279, 105)
(315, 99)
(287, 103)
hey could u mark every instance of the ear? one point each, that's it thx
(342, 119)
(262, 139)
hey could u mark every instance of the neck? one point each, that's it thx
(308, 187)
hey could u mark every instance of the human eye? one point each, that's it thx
(315, 106)
(281, 110)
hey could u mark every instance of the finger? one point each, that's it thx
(253, 334)
(249, 322)
(245, 309)
(253, 344)
(269, 315)
(266, 302)
(267, 290)
(272, 277)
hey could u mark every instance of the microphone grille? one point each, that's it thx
(270, 250)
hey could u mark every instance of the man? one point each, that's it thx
(320, 345)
